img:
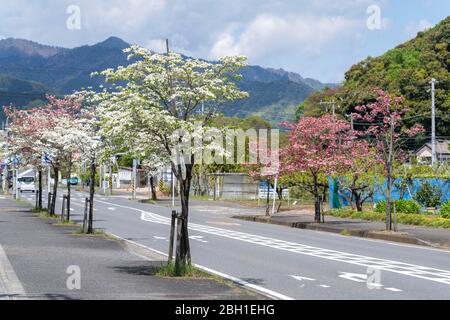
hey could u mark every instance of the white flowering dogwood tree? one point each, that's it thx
(152, 105)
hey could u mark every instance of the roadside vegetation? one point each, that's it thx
(421, 219)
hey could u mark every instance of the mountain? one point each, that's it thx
(274, 93)
(21, 93)
(24, 48)
(405, 70)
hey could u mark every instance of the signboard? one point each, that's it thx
(124, 175)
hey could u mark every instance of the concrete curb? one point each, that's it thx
(154, 255)
(372, 234)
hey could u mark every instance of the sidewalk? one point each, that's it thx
(38, 257)
(434, 237)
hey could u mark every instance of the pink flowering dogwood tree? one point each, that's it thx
(53, 131)
(387, 136)
(318, 147)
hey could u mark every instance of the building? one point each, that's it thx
(442, 152)
(235, 186)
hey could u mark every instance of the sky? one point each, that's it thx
(320, 39)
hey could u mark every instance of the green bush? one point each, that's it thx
(401, 206)
(429, 196)
(445, 210)
(403, 218)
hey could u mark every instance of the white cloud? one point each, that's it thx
(269, 34)
(413, 28)
(122, 15)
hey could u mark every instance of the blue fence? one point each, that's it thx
(337, 200)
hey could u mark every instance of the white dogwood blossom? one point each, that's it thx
(151, 106)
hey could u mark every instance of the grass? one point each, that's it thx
(169, 270)
(37, 210)
(403, 218)
(97, 233)
(43, 214)
(345, 232)
(66, 224)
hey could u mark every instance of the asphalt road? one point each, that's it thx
(284, 263)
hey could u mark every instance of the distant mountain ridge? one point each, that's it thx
(11, 47)
(274, 93)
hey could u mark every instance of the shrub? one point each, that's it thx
(445, 210)
(429, 196)
(401, 206)
(403, 218)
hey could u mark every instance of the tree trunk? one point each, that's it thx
(68, 196)
(6, 176)
(317, 213)
(268, 199)
(280, 197)
(40, 189)
(91, 197)
(153, 188)
(55, 190)
(110, 181)
(358, 202)
(185, 185)
(388, 201)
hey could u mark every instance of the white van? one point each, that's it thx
(26, 183)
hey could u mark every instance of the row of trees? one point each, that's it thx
(319, 147)
(56, 136)
(145, 111)
(156, 104)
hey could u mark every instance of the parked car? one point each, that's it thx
(74, 181)
(26, 184)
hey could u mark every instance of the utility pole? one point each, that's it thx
(433, 121)
(275, 186)
(332, 103)
(390, 163)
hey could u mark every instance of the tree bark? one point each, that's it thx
(358, 202)
(280, 197)
(91, 197)
(6, 176)
(268, 199)
(153, 188)
(40, 189)
(388, 201)
(68, 195)
(55, 190)
(185, 185)
(317, 213)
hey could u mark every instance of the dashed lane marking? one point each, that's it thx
(416, 271)
(393, 289)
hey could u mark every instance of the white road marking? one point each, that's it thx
(198, 238)
(112, 209)
(9, 282)
(223, 223)
(299, 278)
(394, 289)
(416, 271)
(325, 286)
(357, 277)
(161, 238)
(267, 292)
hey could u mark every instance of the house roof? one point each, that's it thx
(442, 147)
